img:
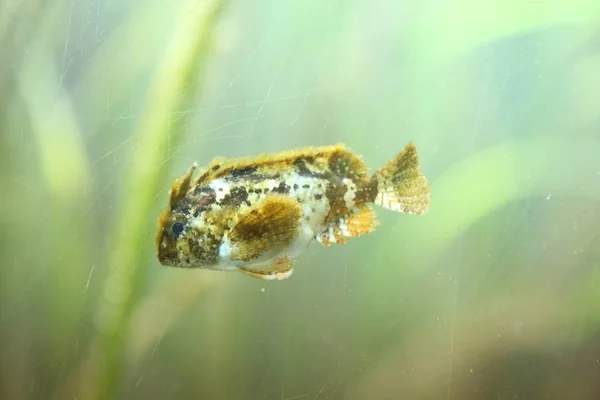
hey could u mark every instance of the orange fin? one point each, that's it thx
(269, 224)
(279, 268)
(399, 185)
(332, 235)
(358, 223)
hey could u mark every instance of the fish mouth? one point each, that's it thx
(166, 252)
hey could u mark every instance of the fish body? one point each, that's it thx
(257, 214)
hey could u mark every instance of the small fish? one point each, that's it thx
(257, 214)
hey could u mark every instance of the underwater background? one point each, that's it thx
(493, 294)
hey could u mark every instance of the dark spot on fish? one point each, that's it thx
(201, 190)
(207, 199)
(296, 186)
(202, 199)
(319, 185)
(235, 197)
(338, 164)
(237, 173)
(220, 189)
(335, 194)
(251, 190)
(367, 193)
(305, 186)
(248, 203)
(303, 170)
(216, 167)
(183, 206)
(318, 196)
(185, 209)
(211, 237)
(258, 191)
(253, 177)
(283, 188)
(299, 199)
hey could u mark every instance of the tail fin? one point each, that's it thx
(400, 184)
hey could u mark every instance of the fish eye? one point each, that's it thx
(177, 228)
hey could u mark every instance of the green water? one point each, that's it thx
(494, 294)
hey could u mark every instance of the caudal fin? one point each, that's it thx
(400, 184)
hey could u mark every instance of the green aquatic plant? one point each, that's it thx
(179, 71)
(100, 100)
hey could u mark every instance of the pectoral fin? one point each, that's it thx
(279, 268)
(270, 224)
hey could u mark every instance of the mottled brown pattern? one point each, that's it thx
(185, 249)
(335, 194)
(207, 249)
(366, 193)
(245, 214)
(309, 161)
(344, 164)
(237, 196)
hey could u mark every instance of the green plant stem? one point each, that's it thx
(153, 137)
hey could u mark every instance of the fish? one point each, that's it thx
(258, 214)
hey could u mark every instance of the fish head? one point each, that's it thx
(187, 234)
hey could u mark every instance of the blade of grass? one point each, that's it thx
(65, 169)
(153, 138)
(62, 260)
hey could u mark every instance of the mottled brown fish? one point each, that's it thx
(256, 215)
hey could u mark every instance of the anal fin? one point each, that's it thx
(279, 268)
(331, 235)
(357, 223)
(360, 222)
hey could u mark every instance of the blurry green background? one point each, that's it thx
(495, 293)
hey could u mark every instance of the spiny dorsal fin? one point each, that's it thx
(181, 186)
